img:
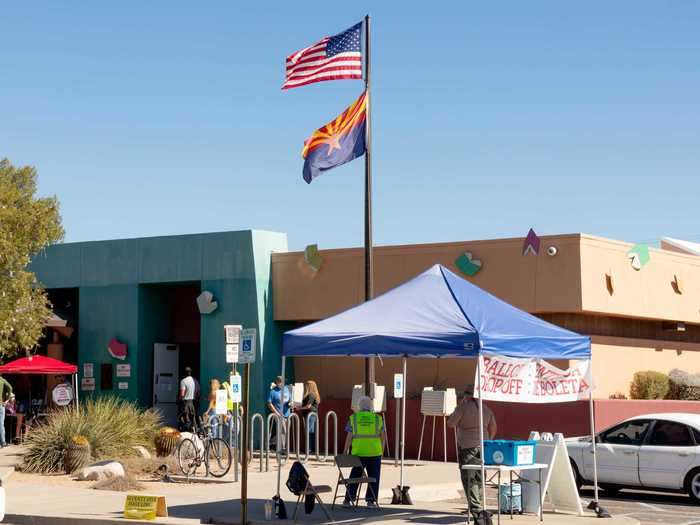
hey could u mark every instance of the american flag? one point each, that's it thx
(333, 58)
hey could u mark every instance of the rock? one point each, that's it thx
(142, 451)
(101, 470)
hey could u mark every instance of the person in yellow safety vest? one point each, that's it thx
(364, 430)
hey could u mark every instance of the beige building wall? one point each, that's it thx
(534, 283)
(589, 286)
(649, 293)
(616, 359)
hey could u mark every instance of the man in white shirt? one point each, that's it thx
(187, 393)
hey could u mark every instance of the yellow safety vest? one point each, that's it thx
(366, 434)
(229, 399)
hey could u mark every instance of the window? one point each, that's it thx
(630, 433)
(671, 434)
(696, 433)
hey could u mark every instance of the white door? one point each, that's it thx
(618, 453)
(166, 374)
(666, 457)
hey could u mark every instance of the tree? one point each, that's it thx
(27, 225)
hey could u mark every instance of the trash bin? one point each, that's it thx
(504, 498)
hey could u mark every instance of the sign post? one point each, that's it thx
(246, 356)
(232, 334)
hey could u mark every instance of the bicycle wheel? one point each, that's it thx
(187, 457)
(218, 457)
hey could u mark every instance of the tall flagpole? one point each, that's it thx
(369, 266)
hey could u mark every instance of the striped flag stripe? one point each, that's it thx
(323, 60)
(340, 64)
(326, 76)
(334, 77)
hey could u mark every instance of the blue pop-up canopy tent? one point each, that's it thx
(436, 314)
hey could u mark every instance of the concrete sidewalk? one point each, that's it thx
(435, 489)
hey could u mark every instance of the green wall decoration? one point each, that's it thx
(639, 256)
(467, 265)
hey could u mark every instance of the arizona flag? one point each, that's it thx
(338, 142)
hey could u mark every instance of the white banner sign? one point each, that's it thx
(532, 380)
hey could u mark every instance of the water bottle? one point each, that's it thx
(268, 510)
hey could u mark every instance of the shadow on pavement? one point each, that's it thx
(668, 498)
(228, 511)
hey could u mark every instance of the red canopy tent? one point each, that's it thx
(42, 365)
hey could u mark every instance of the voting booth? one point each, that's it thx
(439, 314)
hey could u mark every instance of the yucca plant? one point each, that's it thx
(112, 426)
(166, 441)
(77, 454)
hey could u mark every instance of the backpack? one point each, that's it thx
(296, 482)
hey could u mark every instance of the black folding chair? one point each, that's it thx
(347, 461)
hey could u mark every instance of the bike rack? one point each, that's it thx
(293, 421)
(330, 414)
(268, 428)
(257, 417)
(306, 454)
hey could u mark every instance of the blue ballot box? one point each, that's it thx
(511, 453)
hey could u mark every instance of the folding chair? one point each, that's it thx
(347, 461)
(314, 490)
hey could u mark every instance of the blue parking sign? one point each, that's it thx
(247, 354)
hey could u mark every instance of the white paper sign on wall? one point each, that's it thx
(87, 383)
(88, 369)
(247, 353)
(232, 333)
(398, 386)
(123, 385)
(221, 402)
(123, 370)
(232, 353)
(236, 388)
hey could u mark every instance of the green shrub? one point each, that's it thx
(683, 385)
(649, 385)
(112, 426)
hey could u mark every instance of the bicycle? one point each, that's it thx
(211, 451)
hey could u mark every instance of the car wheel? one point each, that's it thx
(692, 485)
(577, 476)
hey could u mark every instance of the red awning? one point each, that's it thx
(38, 364)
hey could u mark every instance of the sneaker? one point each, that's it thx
(372, 505)
(347, 504)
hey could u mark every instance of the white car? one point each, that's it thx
(654, 451)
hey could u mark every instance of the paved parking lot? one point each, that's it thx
(650, 508)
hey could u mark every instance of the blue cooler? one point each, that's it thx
(511, 453)
(504, 498)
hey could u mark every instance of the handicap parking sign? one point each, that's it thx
(247, 354)
(236, 388)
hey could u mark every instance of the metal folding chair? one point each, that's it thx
(347, 461)
(315, 491)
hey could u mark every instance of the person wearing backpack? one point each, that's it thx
(364, 430)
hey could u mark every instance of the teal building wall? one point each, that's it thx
(117, 299)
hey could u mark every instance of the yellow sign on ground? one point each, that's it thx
(142, 507)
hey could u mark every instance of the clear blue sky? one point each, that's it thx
(152, 118)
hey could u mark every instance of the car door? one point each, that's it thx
(618, 453)
(666, 455)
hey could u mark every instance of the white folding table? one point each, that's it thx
(495, 480)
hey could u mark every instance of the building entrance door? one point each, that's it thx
(166, 376)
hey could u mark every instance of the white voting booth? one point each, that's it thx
(437, 404)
